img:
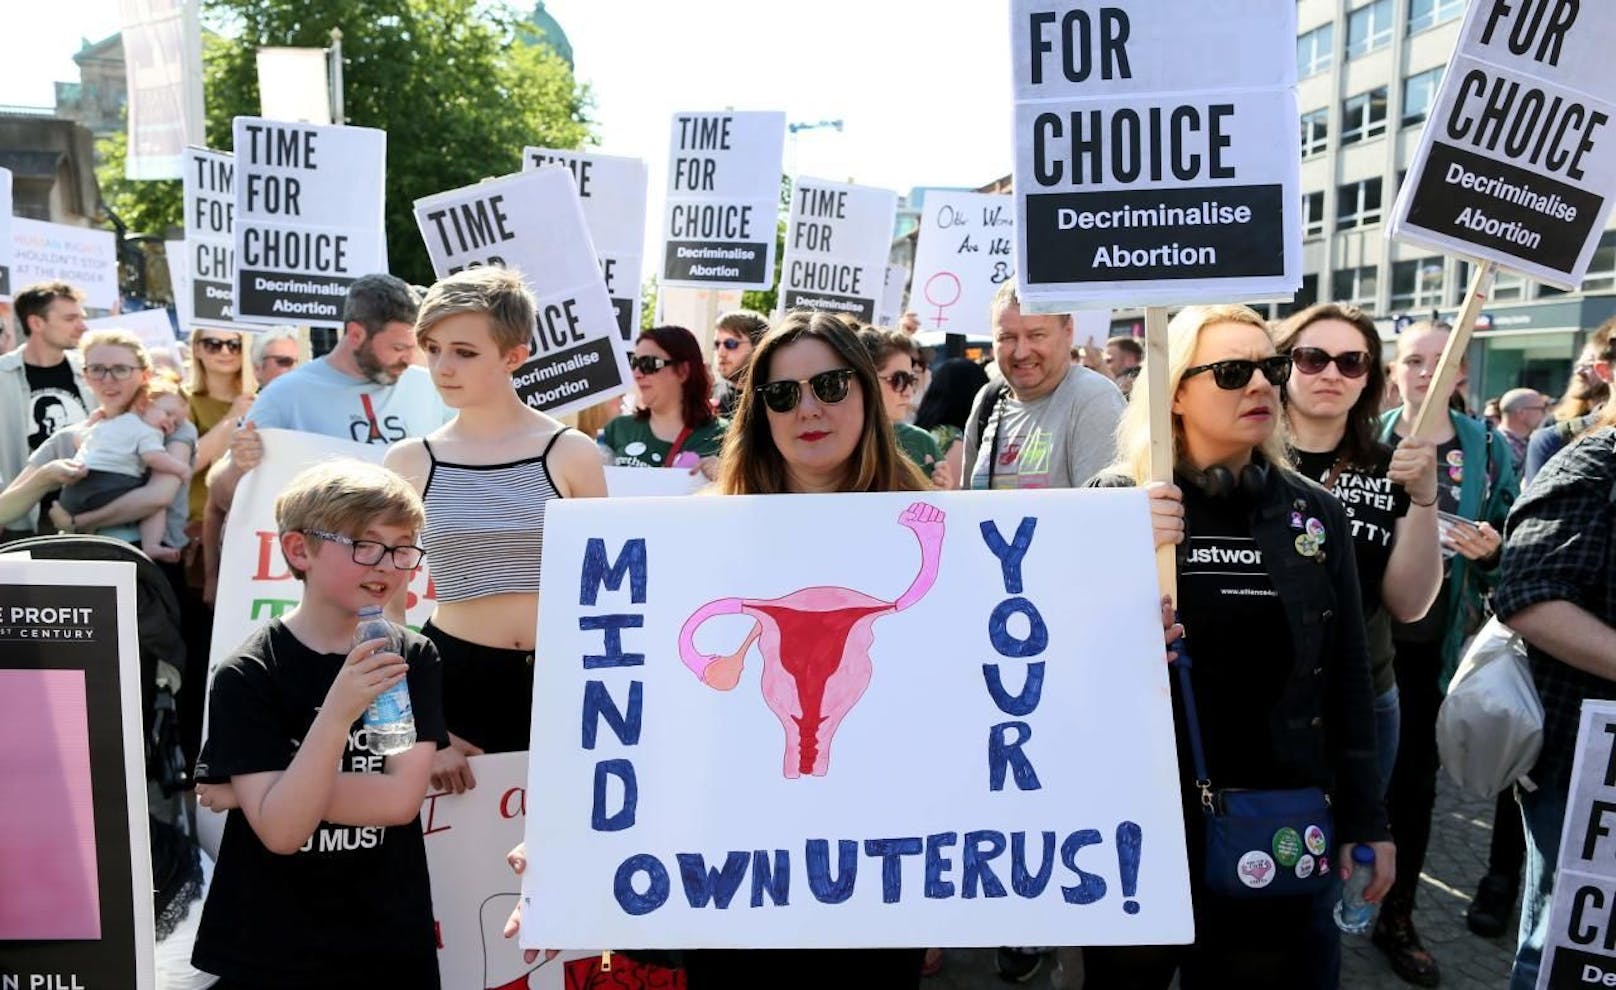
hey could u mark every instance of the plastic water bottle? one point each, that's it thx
(389, 721)
(1353, 914)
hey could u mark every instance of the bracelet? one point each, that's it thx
(1423, 505)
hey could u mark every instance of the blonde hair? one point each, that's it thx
(197, 383)
(161, 383)
(343, 496)
(1183, 336)
(116, 338)
(497, 293)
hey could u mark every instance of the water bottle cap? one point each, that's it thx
(369, 611)
(1363, 854)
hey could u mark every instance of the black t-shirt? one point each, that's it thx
(1450, 472)
(1238, 637)
(1373, 504)
(54, 402)
(353, 907)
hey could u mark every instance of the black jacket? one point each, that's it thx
(1324, 727)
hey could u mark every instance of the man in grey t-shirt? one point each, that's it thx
(1050, 423)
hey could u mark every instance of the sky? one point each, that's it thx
(922, 88)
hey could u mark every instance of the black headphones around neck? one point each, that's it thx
(1218, 481)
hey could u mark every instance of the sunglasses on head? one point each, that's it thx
(1230, 375)
(902, 381)
(214, 345)
(830, 387)
(1313, 361)
(727, 343)
(648, 364)
(282, 361)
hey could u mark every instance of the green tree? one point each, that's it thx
(144, 207)
(764, 300)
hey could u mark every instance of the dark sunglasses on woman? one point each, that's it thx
(830, 387)
(214, 345)
(648, 364)
(1313, 361)
(1230, 375)
(902, 381)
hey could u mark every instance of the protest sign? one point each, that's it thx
(837, 242)
(179, 280)
(77, 909)
(86, 258)
(723, 199)
(963, 254)
(643, 481)
(1156, 152)
(884, 747)
(308, 218)
(612, 191)
(294, 84)
(1517, 162)
(891, 312)
(5, 235)
(532, 222)
(1581, 930)
(210, 245)
(152, 326)
(162, 54)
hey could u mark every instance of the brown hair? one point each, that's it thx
(36, 299)
(1580, 397)
(497, 293)
(746, 322)
(1363, 419)
(752, 465)
(343, 496)
(882, 344)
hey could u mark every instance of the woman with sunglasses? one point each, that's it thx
(1268, 596)
(674, 425)
(897, 364)
(221, 387)
(485, 479)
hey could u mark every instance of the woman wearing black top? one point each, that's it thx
(1270, 600)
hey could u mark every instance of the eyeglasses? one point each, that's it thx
(214, 345)
(281, 361)
(902, 381)
(1230, 375)
(647, 364)
(116, 372)
(830, 387)
(727, 343)
(369, 553)
(1313, 361)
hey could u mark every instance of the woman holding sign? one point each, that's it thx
(674, 425)
(1268, 593)
(485, 478)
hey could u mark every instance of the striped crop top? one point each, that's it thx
(484, 531)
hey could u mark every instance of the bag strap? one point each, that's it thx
(1192, 724)
(990, 413)
(678, 445)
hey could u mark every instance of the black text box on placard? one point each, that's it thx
(1156, 233)
(1506, 209)
(624, 309)
(566, 376)
(278, 294)
(716, 261)
(1575, 968)
(211, 300)
(864, 309)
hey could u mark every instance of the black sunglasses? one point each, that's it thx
(727, 343)
(648, 364)
(830, 387)
(1230, 375)
(280, 360)
(902, 381)
(1313, 361)
(369, 553)
(214, 345)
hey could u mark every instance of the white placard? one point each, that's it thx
(965, 251)
(1580, 924)
(179, 279)
(152, 326)
(294, 84)
(533, 222)
(892, 296)
(308, 218)
(837, 242)
(210, 239)
(86, 258)
(936, 778)
(612, 191)
(1517, 161)
(1156, 152)
(723, 201)
(631, 482)
(162, 54)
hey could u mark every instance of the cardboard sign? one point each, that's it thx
(86, 258)
(632, 482)
(152, 326)
(308, 218)
(77, 910)
(1156, 153)
(899, 725)
(612, 191)
(891, 311)
(1581, 929)
(1517, 162)
(5, 235)
(210, 241)
(964, 253)
(723, 199)
(532, 222)
(837, 244)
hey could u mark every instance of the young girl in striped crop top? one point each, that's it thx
(486, 477)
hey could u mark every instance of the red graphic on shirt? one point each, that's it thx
(625, 974)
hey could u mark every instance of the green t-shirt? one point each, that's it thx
(631, 443)
(919, 446)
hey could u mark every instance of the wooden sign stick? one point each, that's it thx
(1161, 431)
(1434, 410)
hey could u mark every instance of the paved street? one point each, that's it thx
(1457, 859)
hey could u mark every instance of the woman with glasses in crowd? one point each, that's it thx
(674, 424)
(897, 367)
(1281, 671)
(485, 479)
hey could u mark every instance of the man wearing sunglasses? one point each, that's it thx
(1050, 423)
(734, 336)
(275, 352)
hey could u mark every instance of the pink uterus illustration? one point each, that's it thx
(816, 648)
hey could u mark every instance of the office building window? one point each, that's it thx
(1369, 27)
(1315, 132)
(1419, 93)
(1314, 50)
(1312, 214)
(1417, 284)
(1602, 270)
(1363, 116)
(1306, 296)
(1429, 13)
(1354, 285)
(1357, 204)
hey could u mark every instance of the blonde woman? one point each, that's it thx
(221, 387)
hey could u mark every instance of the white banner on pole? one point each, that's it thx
(963, 254)
(723, 203)
(533, 222)
(837, 242)
(87, 258)
(6, 286)
(294, 84)
(162, 51)
(1156, 152)
(865, 777)
(210, 239)
(1517, 161)
(1581, 929)
(308, 218)
(612, 191)
(892, 296)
